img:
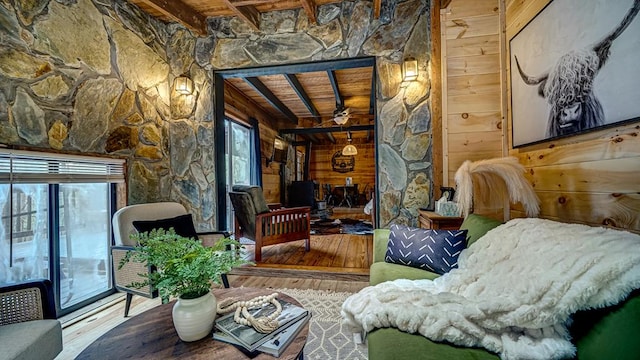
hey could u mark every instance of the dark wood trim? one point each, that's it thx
(336, 89)
(304, 272)
(302, 94)
(436, 99)
(372, 96)
(182, 13)
(268, 95)
(352, 128)
(220, 146)
(299, 67)
(307, 159)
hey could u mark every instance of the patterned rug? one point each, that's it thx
(340, 226)
(328, 338)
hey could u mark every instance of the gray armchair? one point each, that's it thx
(28, 325)
(154, 215)
(266, 225)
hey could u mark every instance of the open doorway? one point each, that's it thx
(319, 109)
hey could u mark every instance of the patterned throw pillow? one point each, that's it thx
(433, 250)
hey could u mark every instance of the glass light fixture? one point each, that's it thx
(410, 69)
(349, 150)
(341, 115)
(183, 85)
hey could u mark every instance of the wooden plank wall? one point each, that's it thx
(241, 109)
(472, 90)
(364, 173)
(591, 178)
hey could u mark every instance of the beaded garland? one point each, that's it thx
(264, 324)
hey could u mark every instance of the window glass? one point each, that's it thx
(84, 241)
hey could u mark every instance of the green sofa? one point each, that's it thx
(611, 333)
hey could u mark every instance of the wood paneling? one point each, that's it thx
(364, 172)
(472, 118)
(590, 178)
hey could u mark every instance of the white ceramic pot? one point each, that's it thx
(193, 318)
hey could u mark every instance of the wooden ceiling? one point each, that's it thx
(194, 13)
(308, 100)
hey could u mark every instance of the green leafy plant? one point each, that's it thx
(183, 267)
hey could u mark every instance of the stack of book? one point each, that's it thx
(291, 321)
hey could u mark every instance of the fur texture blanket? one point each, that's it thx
(513, 292)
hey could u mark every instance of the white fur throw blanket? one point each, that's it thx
(513, 292)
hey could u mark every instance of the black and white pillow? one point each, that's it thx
(433, 250)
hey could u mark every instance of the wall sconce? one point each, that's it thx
(410, 69)
(349, 150)
(183, 85)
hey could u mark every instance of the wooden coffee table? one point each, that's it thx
(151, 335)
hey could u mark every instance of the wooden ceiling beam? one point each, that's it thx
(182, 13)
(310, 8)
(444, 3)
(336, 89)
(268, 95)
(377, 5)
(331, 138)
(302, 94)
(247, 13)
(323, 130)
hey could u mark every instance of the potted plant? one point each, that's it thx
(185, 269)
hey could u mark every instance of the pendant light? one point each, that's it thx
(349, 150)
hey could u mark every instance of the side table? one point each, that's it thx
(435, 221)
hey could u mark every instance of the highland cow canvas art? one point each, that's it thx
(574, 68)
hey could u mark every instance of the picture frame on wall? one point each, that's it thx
(574, 68)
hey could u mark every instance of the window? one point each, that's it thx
(240, 160)
(56, 222)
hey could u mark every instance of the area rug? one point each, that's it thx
(328, 338)
(341, 226)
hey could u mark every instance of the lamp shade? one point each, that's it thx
(349, 150)
(183, 85)
(410, 69)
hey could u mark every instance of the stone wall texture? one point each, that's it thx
(96, 77)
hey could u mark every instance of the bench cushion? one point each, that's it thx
(37, 340)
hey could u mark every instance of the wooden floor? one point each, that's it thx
(338, 257)
(336, 263)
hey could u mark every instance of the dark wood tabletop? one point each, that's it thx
(151, 335)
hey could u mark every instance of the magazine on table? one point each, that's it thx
(277, 345)
(247, 336)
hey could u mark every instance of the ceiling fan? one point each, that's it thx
(341, 115)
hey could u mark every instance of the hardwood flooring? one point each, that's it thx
(336, 263)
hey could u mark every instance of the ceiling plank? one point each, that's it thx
(444, 3)
(271, 98)
(306, 100)
(322, 130)
(310, 8)
(248, 13)
(336, 89)
(182, 13)
(377, 4)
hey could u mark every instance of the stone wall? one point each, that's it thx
(95, 77)
(347, 30)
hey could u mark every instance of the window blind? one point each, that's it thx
(18, 166)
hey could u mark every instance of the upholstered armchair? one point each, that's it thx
(28, 325)
(146, 217)
(255, 220)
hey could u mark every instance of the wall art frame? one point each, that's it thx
(574, 69)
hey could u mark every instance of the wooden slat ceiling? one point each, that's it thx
(290, 109)
(355, 89)
(193, 13)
